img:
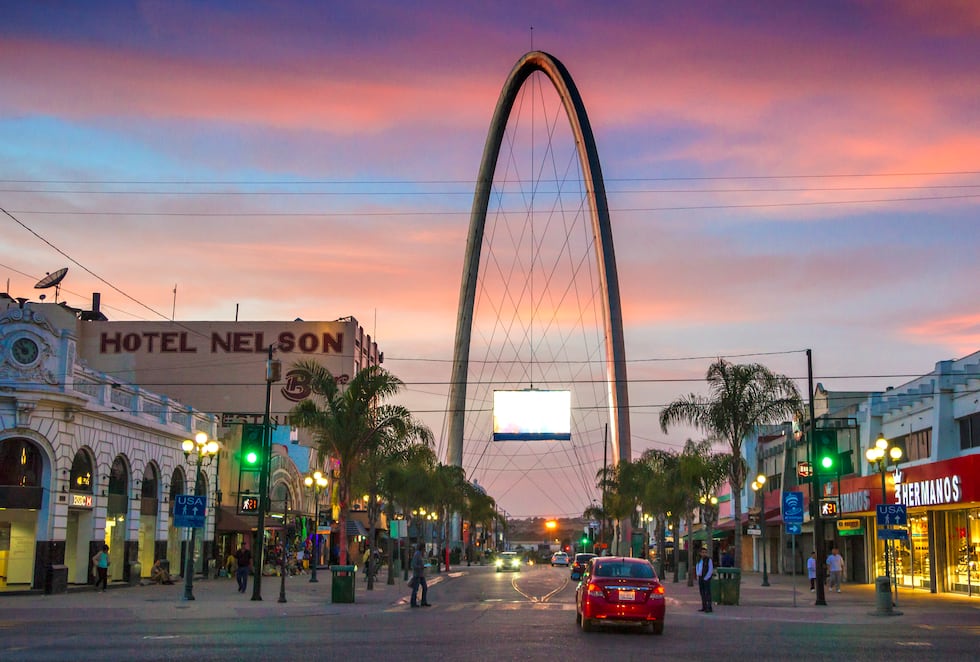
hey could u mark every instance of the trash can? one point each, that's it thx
(729, 583)
(682, 570)
(342, 583)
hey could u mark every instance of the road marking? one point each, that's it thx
(922, 644)
(162, 636)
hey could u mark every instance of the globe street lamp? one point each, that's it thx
(760, 493)
(317, 482)
(202, 449)
(879, 455)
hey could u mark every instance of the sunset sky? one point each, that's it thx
(781, 176)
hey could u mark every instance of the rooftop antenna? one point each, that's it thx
(52, 280)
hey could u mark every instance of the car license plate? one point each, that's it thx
(627, 596)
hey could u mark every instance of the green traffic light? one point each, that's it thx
(251, 457)
(827, 462)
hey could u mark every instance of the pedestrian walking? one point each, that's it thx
(101, 563)
(705, 569)
(418, 577)
(835, 564)
(811, 570)
(243, 557)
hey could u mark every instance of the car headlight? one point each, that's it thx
(499, 562)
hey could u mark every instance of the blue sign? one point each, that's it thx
(793, 508)
(893, 534)
(793, 529)
(190, 511)
(892, 514)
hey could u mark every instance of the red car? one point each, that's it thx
(620, 591)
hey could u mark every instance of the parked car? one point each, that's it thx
(508, 561)
(620, 591)
(559, 558)
(578, 565)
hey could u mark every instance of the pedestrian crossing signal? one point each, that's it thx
(829, 508)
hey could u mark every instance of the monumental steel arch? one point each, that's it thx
(615, 357)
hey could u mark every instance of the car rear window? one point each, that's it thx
(635, 570)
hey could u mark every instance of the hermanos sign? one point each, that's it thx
(931, 492)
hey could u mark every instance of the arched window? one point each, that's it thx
(176, 486)
(118, 477)
(20, 463)
(151, 483)
(82, 476)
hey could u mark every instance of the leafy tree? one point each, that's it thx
(349, 423)
(701, 472)
(741, 397)
(663, 497)
(623, 486)
(390, 451)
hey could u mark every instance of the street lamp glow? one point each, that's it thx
(757, 484)
(551, 525)
(880, 455)
(202, 450)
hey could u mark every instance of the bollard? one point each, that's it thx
(883, 598)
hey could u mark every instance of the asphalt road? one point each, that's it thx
(477, 614)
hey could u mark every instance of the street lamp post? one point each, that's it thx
(285, 547)
(758, 485)
(879, 455)
(273, 372)
(202, 450)
(317, 481)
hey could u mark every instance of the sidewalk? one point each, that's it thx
(213, 598)
(855, 604)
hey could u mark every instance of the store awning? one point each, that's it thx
(229, 521)
(355, 528)
(702, 534)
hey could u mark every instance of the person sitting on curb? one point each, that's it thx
(159, 575)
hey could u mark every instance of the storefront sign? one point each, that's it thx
(848, 524)
(81, 501)
(931, 492)
(855, 502)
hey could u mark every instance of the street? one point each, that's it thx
(477, 614)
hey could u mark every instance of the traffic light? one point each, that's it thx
(827, 460)
(251, 454)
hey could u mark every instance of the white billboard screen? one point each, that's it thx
(531, 415)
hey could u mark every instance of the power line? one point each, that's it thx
(422, 212)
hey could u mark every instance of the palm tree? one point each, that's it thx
(663, 496)
(623, 486)
(741, 397)
(349, 423)
(406, 484)
(702, 471)
(390, 451)
(449, 491)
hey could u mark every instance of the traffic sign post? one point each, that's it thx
(892, 514)
(190, 511)
(793, 521)
(793, 507)
(893, 534)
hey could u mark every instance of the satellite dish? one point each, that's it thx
(52, 280)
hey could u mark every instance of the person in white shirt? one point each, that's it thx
(835, 564)
(811, 570)
(705, 569)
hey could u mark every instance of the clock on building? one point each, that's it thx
(24, 351)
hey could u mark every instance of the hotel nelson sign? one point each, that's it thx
(219, 367)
